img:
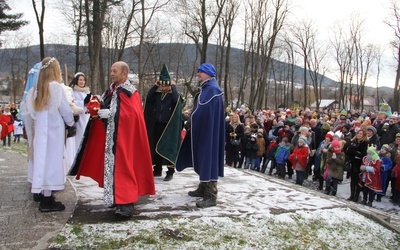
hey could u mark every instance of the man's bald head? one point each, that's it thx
(119, 72)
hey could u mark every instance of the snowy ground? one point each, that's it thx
(254, 212)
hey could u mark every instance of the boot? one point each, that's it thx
(125, 211)
(327, 189)
(37, 197)
(199, 192)
(49, 204)
(170, 174)
(379, 198)
(210, 195)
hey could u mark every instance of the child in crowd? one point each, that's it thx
(281, 156)
(320, 160)
(251, 152)
(370, 176)
(387, 165)
(18, 131)
(299, 159)
(243, 145)
(261, 149)
(334, 167)
(270, 155)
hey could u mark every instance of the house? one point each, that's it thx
(326, 103)
(369, 103)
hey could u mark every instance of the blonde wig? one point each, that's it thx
(50, 71)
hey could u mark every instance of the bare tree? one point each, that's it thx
(40, 22)
(394, 23)
(304, 35)
(199, 19)
(316, 69)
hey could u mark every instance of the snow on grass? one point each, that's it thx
(252, 213)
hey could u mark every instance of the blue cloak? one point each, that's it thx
(203, 145)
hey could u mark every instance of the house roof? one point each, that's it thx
(324, 103)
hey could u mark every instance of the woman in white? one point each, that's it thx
(80, 91)
(46, 112)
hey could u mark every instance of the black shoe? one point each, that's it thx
(125, 211)
(369, 204)
(156, 174)
(49, 204)
(379, 198)
(37, 197)
(364, 202)
(168, 177)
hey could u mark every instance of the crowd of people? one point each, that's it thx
(327, 146)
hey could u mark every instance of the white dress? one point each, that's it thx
(83, 117)
(46, 139)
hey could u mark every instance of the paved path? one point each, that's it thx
(22, 226)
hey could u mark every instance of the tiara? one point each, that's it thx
(48, 63)
(78, 74)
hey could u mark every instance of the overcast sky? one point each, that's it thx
(324, 12)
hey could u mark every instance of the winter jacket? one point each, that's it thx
(251, 149)
(336, 166)
(299, 155)
(271, 150)
(282, 154)
(371, 177)
(261, 146)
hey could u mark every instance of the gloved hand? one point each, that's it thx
(87, 98)
(76, 118)
(103, 113)
(71, 131)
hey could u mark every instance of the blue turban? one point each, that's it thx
(208, 69)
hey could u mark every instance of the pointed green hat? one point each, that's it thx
(164, 79)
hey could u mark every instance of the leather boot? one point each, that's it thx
(210, 195)
(199, 192)
(170, 173)
(49, 204)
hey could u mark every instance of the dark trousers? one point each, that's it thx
(8, 138)
(17, 138)
(300, 175)
(289, 169)
(355, 188)
(157, 159)
(368, 194)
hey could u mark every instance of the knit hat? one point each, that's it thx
(343, 112)
(372, 151)
(336, 144)
(208, 69)
(371, 128)
(386, 147)
(397, 135)
(326, 126)
(347, 126)
(288, 112)
(279, 124)
(164, 78)
(303, 139)
(330, 136)
(338, 134)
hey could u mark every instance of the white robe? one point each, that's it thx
(46, 136)
(83, 117)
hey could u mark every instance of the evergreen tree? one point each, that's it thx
(9, 21)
